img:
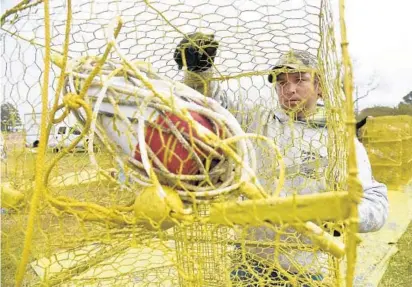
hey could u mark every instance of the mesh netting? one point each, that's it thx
(127, 175)
(390, 152)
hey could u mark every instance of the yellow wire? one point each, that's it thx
(41, 153)
(73, 144)
(354, 185)
(63, 67)
(100, 63)
(18, 8)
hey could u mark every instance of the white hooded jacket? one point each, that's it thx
(304, 149)
(303, 146)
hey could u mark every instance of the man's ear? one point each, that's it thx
(320, 92)
(318, 87)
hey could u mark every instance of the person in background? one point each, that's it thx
(300, 130)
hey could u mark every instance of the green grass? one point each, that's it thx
(399, 272)
(52, 231)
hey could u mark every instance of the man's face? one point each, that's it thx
(297, 92)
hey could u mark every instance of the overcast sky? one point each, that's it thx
(380, 41)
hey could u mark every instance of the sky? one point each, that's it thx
(380, 44)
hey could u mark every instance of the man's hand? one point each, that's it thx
(362, 122)
(199, 52)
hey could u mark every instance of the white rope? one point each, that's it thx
(131, 99)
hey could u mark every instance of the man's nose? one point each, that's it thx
(290, 88)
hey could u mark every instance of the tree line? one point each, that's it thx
(403, 108)
(10, 118)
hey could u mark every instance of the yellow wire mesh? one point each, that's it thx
(388, 140)
(86, 219)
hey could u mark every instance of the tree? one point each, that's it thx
(10, 117)
(405, 109)
(362, 91)
(408, 98)
(378, 111)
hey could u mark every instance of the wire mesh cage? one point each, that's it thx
(203, 251)
(389, 151)
(145, 157)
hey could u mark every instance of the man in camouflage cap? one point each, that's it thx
(300, 131)
(297, 83)
(298, 60)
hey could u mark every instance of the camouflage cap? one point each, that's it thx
(296, 60)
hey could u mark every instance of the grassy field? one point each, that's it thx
(399, 272)
(53, 231)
